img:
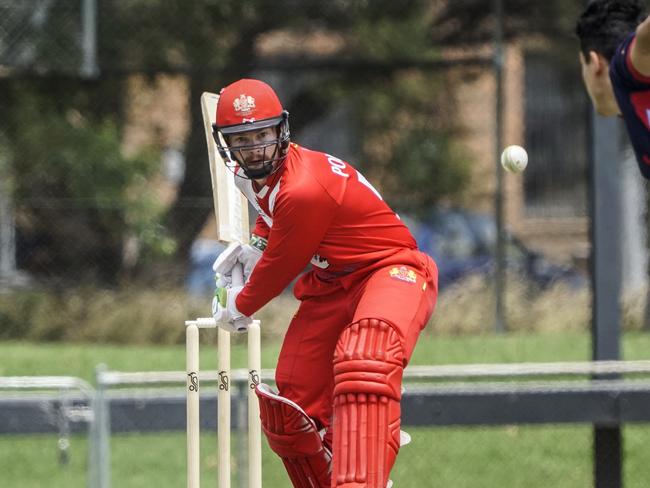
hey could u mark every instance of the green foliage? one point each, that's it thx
(407, 125)
(126, 316)
(391, 35)
(94, 315)
(404, 118)
(430, 169)
(407, 114)
(71, 159)
(73, 183)
(141, 315)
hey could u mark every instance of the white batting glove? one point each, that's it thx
(225, 311)
(224, 264)
(251, 254)
(248, 255)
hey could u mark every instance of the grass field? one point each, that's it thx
(511, 456)
(79, 360)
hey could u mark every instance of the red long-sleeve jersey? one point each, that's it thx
(317, 208)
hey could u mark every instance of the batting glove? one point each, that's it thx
(225, 311)
(251, 254)
(248, 255)
(224, 264)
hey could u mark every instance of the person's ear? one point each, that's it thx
(598, 63)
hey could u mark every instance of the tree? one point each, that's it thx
(76, 195)
(383, 68)
(218, 42)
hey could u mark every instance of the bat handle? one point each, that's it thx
(238, 280)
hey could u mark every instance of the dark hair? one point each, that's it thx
(604, 24)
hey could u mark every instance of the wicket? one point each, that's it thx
(223, 404)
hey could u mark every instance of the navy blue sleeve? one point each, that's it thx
(632, 91)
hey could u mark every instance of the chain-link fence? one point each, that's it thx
(105, 197)
(133, 197)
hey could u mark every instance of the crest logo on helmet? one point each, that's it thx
(244, 105)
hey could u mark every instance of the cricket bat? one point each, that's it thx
(231, 213)
(230, 205)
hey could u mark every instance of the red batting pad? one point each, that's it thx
(293, 436)
(368, 375)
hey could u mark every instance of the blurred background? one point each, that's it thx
(106, 228)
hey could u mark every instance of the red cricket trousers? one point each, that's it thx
(401, 290)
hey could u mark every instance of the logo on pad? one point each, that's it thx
(403, 274)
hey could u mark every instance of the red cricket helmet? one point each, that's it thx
(247, 105)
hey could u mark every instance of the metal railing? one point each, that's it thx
(74, 402)
(440, 392)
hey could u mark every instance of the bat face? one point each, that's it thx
(230, 205)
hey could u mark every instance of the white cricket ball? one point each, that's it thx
(514, 159)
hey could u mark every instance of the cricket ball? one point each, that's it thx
(514, 159)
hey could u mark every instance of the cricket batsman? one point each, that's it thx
(335, 420)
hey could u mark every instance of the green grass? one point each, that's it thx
(510, 456)
(20, 358)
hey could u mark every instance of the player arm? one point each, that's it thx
(299, 224)
(261, 228)
(640, 52)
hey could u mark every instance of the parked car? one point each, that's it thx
(463, 243)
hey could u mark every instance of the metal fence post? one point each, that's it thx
(606, 263)
(7, 237)
(101, 432)
(500, 325)
(89, 68)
